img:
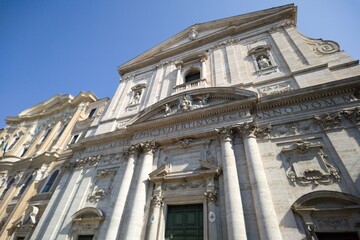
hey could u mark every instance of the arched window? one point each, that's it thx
(25, 185)
(192, 75)
(8, 186)
(50, 182)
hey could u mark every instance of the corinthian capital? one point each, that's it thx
(252, 130)
(148, 146)
(133, 149)
(225, 132)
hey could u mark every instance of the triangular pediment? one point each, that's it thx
(192, 103)
(204, 33)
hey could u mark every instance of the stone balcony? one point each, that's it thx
(199, 83)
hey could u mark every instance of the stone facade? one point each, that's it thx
(245, 117)
(35, 148)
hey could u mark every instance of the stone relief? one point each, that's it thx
(102, 185)
(211, 196)
(185, 143)
(353, 115)
(225, 43)
(87, 161)
(323, 47)
(277, 88)
(276, 28)
(328, 121)
(157, 200)
(183, 185)
(193, 34)
(308, 164)
(293, 129)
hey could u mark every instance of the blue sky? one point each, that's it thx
(50, 46)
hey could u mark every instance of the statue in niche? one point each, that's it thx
(263, 62)
(185, 103)
(136, 98)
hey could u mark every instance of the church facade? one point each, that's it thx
(239, 128)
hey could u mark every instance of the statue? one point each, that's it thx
(185, 103)
(136, 98)
(167, 109)
(263, 62)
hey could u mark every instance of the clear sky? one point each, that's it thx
(50, 46)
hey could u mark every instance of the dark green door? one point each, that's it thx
(184, 222)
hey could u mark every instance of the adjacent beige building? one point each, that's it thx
(32, 162)
(238, 128)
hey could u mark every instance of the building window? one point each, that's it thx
(20, 238)
(85, 237)
(92, 112)
(50, 182)
(74, 139)
(192, 75)
(45, 135)
(184, 222)
(24, 152)
(25, 185)
(14, 142)
(61, 131)
(8, 186)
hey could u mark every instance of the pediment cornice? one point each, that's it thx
(213, 31)
(205, 103)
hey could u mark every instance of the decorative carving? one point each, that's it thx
(185, 143)
(167, 110)
(298, 128)
(90, 161)
(353, 115)
(287, 24)
(157, 201)
(133, 149)
(148, 146)
(225, 132)
(225, 43)
(211, 196)
(273, 89)
(193, 34)
(97, 195)
(105, 173)
(328, 121)
(252, 130)
(322, 47)
(184, 184)
(263, 62)
(309, 165)
(102, 186)
(185, 103)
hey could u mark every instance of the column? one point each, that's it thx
(118, 209)
(203, 67)
(264, 207)
(136, 217)
(157, 203)
(178, 66)
(234, 208)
